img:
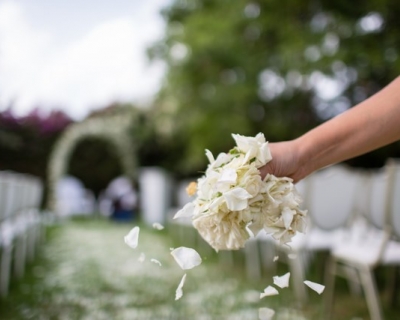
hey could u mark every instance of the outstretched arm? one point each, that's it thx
(370, 125)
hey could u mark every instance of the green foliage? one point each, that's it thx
(95, 163)
(250, 66)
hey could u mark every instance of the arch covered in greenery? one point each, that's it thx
(114, 128)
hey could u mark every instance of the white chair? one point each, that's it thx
(371, 242)
(329, 196)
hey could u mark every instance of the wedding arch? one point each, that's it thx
(113, 127)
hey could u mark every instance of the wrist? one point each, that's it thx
(304, 156)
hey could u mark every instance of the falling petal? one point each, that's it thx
(283, 281)
(276, 258)
(186, 211)
(156, 262)
(142, 257)
(179, 293)
(132, 238)
(158, 226)
(187, 258)
(292, 256)
(319, 288)
(269, 291)
(265, 313)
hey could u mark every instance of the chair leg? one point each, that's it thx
(368, 282)
(252, 260)
(330, 277)
(20, 256)
(297, 274)
(5, 270)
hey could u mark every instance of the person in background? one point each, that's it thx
(367, 126)
(123, 199)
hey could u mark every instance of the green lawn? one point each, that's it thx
(85, 271)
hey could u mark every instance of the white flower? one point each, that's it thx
(187, 258)
(233, 203)
(255, 148)
(236, 199)
(132, 238)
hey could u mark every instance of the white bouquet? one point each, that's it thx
(233, 202)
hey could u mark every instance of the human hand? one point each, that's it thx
(286, 161)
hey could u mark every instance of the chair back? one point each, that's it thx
(332, 195)
(393, 197)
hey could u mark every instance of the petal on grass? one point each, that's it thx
(156, 262)
(319, 288)
(158, 226)
(179, 293)
(265, 313)
(187, 258)
(269, 291)
(282, 281)
(142, 257)
(186, 211)
(276, 258)
(132, 238)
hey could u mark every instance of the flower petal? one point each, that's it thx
(269, 291)
(236, 199)
(158, 226)
(132, 238)
(210, 156)
(186, 211)
(187, 258)
(179, 293)
(228, 175)
(319, 288)
(156, 262)
(283, 281)
(142, 257)
(265, 313)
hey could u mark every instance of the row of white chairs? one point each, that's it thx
(354, 216)
(20, 224)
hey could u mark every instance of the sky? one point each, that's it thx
(78, 56)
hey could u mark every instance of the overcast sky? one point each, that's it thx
(77, 55)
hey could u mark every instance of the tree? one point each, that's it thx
(279, 67)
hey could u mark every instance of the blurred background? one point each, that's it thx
(109, 106)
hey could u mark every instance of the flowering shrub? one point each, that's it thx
(233, 202)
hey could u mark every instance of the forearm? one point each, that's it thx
(365, 127)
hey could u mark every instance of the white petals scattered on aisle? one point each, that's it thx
(92, 274)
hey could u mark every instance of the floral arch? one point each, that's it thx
(113, 128)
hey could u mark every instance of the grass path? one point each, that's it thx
(86, 271)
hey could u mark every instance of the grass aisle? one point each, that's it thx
(87, 272)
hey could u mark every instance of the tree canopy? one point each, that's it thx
(277, 67)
